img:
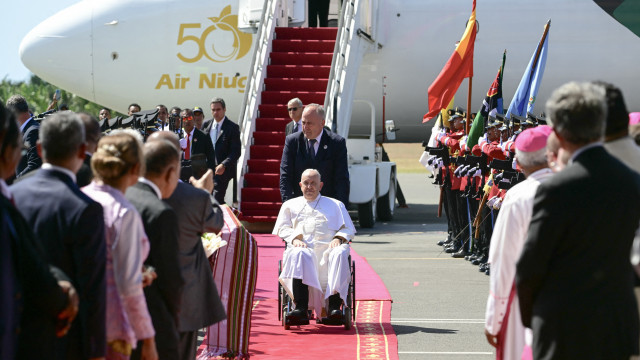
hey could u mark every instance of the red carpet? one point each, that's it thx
(372, 337)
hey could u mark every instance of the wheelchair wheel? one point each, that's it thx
(347, 318)
(352, 291)
(285, 323)
(280, 291)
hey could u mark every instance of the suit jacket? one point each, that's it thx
(70, 228)
(32, 160)
(574, 277)
(34, 297)
(227, 146)
(164, 294)
(85, 174)
(289, 129)
(197, 213)
(330, 161)
(201, 144)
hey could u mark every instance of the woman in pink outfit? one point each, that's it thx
(116, 166)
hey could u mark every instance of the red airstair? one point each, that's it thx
(299, 66)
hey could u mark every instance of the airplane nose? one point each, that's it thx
(59, 50)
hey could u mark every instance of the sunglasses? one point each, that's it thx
(292, 109)
(187, 118)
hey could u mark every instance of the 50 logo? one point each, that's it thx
(220, 42)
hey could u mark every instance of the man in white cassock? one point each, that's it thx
(315, 267)
(503, 325)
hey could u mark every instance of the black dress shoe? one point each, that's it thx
(335, 314)
(299, 314)
(441, 242)
(475, 261)
(482, 267)
(460, 254)
(488, 272)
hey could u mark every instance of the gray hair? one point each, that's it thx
(61, 135)
(220, 101)
(577, 111)
(319, 109)
(295, 101)
(132, 132)
(313, 173)
(17, 104)
(532, 159)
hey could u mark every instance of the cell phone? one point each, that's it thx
(57, 95)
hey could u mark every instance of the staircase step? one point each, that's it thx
(299, 71)
(284, 45)
(271, 124)
(266, 151)
(293, 84)
(283, 97)
(268, 137)
(264, 166)
(261, 205)
(292, 58)
(273, 111)
(261, 194)
(259, 219)
(327, 33)
(273, 212)
(256, 180)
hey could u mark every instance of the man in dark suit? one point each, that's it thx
(31, 296)
(162, 168)
(92, 135)
(198, 212)
(574, 278)
(195, 141)
(30, 129)
(294, 108)
(70, 227)
(315, 148)
(225, 135)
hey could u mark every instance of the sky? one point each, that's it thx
(25, 16)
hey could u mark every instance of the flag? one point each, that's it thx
(459, 66)
(525, 96)
(491, 105)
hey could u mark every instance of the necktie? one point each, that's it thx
(295, 128)
(312, 150)
(215, 134)
(187, 151)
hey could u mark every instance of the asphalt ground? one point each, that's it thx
(438, 302)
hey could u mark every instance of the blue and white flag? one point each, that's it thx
(525, 97)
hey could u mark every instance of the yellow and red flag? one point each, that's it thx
(459, 66)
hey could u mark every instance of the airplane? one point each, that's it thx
(183, 53)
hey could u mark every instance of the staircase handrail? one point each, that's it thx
(349, 48)
(253, 92)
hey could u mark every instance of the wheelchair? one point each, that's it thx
(285, 305)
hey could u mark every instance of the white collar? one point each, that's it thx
(61, 169)
(191, 133)
(4, 189)
(155, 187)
(221, 121)
(314, 200)
(25, 124)
(538, 174)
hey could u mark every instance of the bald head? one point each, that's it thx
(165, 135)
(312, 121)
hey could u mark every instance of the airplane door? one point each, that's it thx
(249, 14)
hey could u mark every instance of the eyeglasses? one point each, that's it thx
(187, 118)
(293, 109)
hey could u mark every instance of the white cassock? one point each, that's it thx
(509, 235)
(326, 271)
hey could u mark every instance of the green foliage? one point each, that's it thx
(39, 94)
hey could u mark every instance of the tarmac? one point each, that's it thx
(438, 302)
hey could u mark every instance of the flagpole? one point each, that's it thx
(539, 49)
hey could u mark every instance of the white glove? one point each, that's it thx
(183, 143)
(496, 205)
(478, 173)
(514, 164)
